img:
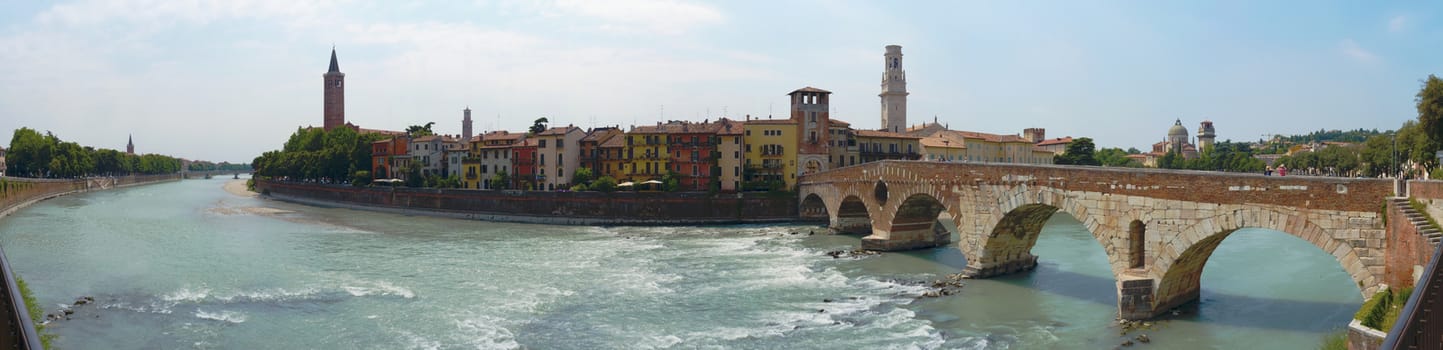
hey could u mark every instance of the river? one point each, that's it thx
(186, 265)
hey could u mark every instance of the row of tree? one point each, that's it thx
(32, 154)
(1407, 152)
(312, 154)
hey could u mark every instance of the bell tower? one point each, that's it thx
(335, 96)
(894, 91)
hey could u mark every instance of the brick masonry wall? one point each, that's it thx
(1406, 248)
(22, 191)
(1431, 189)
(632, 208)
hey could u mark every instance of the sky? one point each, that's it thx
(227, 80)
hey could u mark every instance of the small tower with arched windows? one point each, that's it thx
(894, 91)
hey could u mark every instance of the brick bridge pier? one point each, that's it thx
(1158, 227)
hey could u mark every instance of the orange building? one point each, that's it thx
(389, 158)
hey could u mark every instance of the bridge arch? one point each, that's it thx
(813, 208)
(1005, 238)
(1179, 265)
(852, 216)
(911, 221)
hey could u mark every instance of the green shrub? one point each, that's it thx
(1337, 340)
(1373, 310)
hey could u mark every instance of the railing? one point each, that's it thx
(1420, 324)
(21, 333)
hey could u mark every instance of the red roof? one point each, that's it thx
(1060, 140)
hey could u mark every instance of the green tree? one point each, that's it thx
(539, 125)
(1430, 116)
(1170, 160)
(1116, 157)
(500, 181)
(413, 175)
(1079, 152)
(420, 130)
(604, 184)
(361, 178)
(582, 176)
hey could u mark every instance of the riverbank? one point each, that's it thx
(238, 188)
(556, 208)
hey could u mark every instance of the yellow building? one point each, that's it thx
(876, 145)
(984, 147)
(612, 158)
(471, 165)
(940, 149)
(646, 154)
(771, 151)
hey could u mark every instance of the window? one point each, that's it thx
(541, 143)
(749, 133)
(694, 171)
(543, 159)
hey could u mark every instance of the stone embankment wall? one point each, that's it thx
(565, 208)
(19, 192)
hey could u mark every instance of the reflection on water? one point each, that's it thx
(186, 265)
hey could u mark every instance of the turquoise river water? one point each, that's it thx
(187, 265)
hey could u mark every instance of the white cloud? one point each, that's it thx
(656, 16)
(1398, 23)
(1351, 49)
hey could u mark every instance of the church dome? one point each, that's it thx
(1177, 130)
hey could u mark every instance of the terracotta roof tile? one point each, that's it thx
(885, 134)
(1060, 140)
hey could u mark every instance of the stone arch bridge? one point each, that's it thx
(1158, 227)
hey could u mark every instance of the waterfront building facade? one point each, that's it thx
(876, 145)
(843, 148)
(941, 149)
(770, 151)
(612, 157)
(558, 155)
(495, 154)
(812, 116)
(729, 154)
(591, 153)
(523, 161)
(389, 158)
(646, 153)
(429, 151)
(693, 148)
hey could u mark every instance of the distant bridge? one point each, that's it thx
(1158, 227)
(213, 173)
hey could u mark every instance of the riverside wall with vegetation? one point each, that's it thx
(562, 208)
(18, 192)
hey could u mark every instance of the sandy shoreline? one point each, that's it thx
(238, 187)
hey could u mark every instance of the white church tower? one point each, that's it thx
(894, 91)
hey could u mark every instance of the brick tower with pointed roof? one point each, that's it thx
(335, 96)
